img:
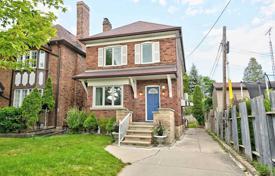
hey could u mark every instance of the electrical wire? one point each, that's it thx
(216, 61)
(205, 36)
(241, 51)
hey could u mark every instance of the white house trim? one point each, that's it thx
(146, 100)
(170, 88)
(136, 38)
(134, 86)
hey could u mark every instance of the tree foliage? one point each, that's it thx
(186, 83)
(23, 26)
(253, 72)
(206, 85)
(48, 98)
(193, 78)
(31, 107)
(197, 109)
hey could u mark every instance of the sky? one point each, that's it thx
(246, 20)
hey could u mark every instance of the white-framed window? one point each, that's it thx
(147, 53)
(42, 59)
(19, 95)
(108, 96)
(112, 56)
(33, 58)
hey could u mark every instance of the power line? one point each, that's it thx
(209, 29)
(216, 62)
(241, 51)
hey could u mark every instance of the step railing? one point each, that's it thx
(123, 127)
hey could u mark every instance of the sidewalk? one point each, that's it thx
(195, 154)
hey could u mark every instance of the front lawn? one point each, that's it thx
(57, 155)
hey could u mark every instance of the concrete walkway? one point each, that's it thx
(195, 154)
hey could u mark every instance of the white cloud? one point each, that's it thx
(256, 21)
(268, 9)
(160, 2)
(191, 2)
(172, 9)
(192, 11)
(243, 39)
(135, 1)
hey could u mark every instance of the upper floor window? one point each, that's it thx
(147, 52)
(30, 58)
(42, 59)
(112, 56)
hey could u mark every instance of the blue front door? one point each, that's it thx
(152, 102)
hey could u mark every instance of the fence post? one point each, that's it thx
(227, 127)
(256, 127)
(245, 130)
(263, 130)
(271, 126)
(221, 124)
(235, 128)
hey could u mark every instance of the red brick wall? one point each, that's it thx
(167, 55)
(5, 79)
(71, 92)
(138, 105)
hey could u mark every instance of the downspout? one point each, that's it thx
(11, 87)
(57, 85)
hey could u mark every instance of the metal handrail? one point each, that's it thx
(123, 127)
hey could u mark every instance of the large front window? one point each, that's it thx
(19, 95)
(108, 96)
(113, 56)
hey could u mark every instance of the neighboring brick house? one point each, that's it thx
(63, 57)
(138, 67)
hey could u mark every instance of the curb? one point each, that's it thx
(249, 168)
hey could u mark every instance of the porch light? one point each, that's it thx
(140, 93)
(163, 87)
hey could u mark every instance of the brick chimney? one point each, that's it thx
(83, 18)
(106, 25)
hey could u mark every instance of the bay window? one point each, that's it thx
(107, 96)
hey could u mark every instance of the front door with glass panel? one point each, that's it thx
(152, 101)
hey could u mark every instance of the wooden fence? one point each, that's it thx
(251, 134)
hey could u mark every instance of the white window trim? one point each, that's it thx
(94, 106)
(141, 53)
(113, 53)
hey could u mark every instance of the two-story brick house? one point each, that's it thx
(63, 57)
(138, 67)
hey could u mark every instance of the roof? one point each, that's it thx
(70, 39)
(137, 71)
(235, 85)
(139, 27)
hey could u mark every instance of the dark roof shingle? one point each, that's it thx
(139, 27)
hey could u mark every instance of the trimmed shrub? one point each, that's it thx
(75, 119)
(11, 120)
(110, 125)
(90, 124)
(102, 123)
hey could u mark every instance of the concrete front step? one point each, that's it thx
(132, 142)
(138, 138)
(140, 132)
(142, 123)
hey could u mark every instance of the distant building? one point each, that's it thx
(217, 95)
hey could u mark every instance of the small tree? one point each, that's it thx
(48, 98)
(31, 107)
(197, 109)
(253, 72)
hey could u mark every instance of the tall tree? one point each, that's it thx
(23, 26)
(31, 107)
(193, 78)
(206, 85)
(253, 72)
(185, 83)
(197, 109)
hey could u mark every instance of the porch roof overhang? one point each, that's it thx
(128, 72)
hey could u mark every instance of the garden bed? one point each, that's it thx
(58, 155)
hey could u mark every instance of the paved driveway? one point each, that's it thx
(195, 154)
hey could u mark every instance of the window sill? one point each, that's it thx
(149, 63)
(107, 108)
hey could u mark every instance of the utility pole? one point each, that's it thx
(271, 51)
(224, 45)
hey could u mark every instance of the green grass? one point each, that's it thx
(57, 155)
(193, 124)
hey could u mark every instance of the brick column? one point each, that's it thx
(167, 118)
(121, 113)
